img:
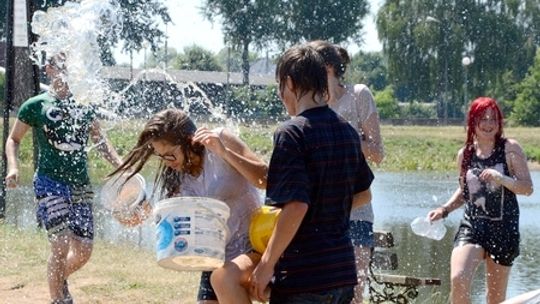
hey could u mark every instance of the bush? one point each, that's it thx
(255, 103)
(526, 108)
(418, 110)
(387, 104)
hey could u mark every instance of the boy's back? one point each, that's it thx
(317, 160)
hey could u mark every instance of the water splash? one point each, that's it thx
(73, 30)
(170, 93)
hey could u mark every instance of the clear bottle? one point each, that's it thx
(423, 227)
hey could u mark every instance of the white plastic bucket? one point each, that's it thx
(191, 233)
(126, 199)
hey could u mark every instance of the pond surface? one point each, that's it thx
(398, 198)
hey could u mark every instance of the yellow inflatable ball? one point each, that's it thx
(261, 226)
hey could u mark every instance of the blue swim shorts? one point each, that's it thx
(361, 233)
(63, 208)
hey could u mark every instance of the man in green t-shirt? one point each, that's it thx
(61, 182)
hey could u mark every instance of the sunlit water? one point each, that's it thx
(398, 199)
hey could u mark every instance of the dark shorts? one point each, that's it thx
(62, 208)
(361, 233)
(500, 241)
(343, 295)
(206, 292)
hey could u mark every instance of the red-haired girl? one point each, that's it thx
(493, 169)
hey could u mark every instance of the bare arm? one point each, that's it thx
(361, 198)
(372, 145)
(235, 152)
(453, 203)
(287, 225)
(103, 144)
(12, 151)
(519, 180)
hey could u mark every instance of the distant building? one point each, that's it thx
(263, 66)
(204, 77)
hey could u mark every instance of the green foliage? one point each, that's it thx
(420, 153)
(426, 40)
(526, 110)
(245, 23)
(160, 58)
(3, 10)
(234, 59)
(368, 68)
(140, 20)
(335, 21)
(418, 110)
(196, 58)
(252, 103)
(387, 104)
(259, 138)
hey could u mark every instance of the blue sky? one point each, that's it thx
(191, 28)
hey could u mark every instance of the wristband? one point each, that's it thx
(444, 211)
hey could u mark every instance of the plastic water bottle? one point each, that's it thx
(423, 227)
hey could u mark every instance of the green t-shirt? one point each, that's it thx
(62, 131)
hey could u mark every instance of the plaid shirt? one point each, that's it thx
(317, 159)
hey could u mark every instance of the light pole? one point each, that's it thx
(465, 61)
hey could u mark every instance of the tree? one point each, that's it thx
(2, 87)
(196, 58)
(368, 68)
(245, 22)
(426, 40)
(387, 104)
(162, 59)
(3, 11)
(140, 23)
(336, 21)
(526, 109)
(233, 59)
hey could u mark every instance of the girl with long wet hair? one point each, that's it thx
(493, 170)
(205, 163)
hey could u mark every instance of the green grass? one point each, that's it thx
(407, 148)
(115, 274)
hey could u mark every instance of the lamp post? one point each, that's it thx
(445, 32)
(465, 61)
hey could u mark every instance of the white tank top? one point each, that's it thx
(221, 181)
(356, 105)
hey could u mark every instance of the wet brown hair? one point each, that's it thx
(334, 55)
(176, 128)
(306, 69)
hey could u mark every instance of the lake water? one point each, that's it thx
(398, 198)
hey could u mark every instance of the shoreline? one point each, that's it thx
(533, 166)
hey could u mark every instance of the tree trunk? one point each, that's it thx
(245, 62)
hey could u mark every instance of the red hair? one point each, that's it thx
(476, 111)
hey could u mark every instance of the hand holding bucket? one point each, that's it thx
(261, 226)
(126, 199)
